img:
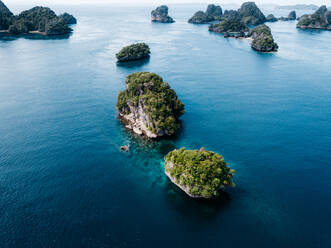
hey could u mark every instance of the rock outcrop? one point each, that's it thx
(68, 19)
(250, 14)
(160, 14)
(149, 106)
(291, 17)
(213, 13)
(319, 20)
(38, 20)
(262, 39)
(199, 173)
(133, 52)
(230, 27)
(5, 16)
(271, 18)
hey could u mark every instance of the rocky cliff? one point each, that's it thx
(149, 106)
(250, 14)
(263, 40)
(213, 13)
(319, 20)
(41, 20)
(5, 16)
(160, 14)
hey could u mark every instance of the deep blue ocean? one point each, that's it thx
(65, 183)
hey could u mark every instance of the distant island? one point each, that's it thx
(160, 14)
(321, 19)
(213, 13)
(149, 106)
(133, 52)
(299, 7)
(235, 24)
(271, 18)
(38, 20)
(199, 173)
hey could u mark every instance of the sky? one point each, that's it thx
(278, 2)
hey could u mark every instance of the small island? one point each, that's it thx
(36, 21)
(263, 40)
(234, 23)
(230, 27)
(321, 19)
(133, 52)
(213, 13)
(271, 18)
(148, 106)
(160, 14)
(199, 173)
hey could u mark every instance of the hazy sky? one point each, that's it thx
(279, 2)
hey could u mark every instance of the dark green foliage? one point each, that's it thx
(40, 19)
(260, 30)
(213, 13)
(250, 14)
(231, 14)
(57, 26)
(68, 19)
(160, 102)
(133, 52)
(37, 18)
(19, 27)
(263, 40)
(200, 17)
(160, 14)
(214, 10)
(5, 16)
(319, 20)
(229, 25)
(203, 172)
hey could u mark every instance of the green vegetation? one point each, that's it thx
(38, 19)
(250, 14)
(159, 101)
(260, 30)
(229, 25)
(319, 20)
(202, 173)
(133, 52)
(5, 16)
(160, 14)
(262, 39)
(213, 13)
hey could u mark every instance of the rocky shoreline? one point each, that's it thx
(168, 165)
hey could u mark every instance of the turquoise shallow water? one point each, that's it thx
(64, 182)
